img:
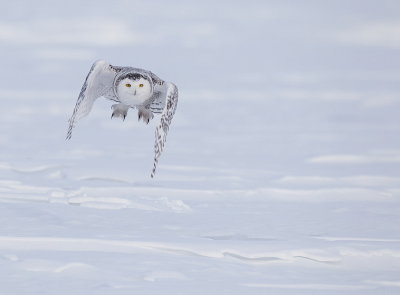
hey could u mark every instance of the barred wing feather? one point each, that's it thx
(166, 118)
(98, 82)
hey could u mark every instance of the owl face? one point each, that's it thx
(134, 89)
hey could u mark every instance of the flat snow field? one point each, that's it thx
(280, 173)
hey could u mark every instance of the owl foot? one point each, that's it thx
(145, 114)
(120, 110)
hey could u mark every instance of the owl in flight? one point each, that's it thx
(129, 88)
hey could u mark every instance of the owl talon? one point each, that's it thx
(120, 110)
(145, 114)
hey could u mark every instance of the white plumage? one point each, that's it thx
(130, 88)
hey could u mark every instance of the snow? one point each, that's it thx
(281, 169)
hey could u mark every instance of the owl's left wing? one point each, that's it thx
(99, 82)
(171, 102)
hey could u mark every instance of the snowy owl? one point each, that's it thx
(130, 88)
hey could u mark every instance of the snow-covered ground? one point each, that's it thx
(281, 170)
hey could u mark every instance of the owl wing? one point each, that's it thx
(170, 103)
(157, 102)
(99, 82)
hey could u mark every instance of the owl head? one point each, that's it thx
(133, 88)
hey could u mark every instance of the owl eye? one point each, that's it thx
(140, 85)
(128, 85)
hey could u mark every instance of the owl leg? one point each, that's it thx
(145, 114)
(119, 110)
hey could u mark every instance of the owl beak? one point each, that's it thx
(134, 92)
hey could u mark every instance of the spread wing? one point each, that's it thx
(171, 102)
(99, 82)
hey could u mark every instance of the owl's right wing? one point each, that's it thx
(99, 82)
